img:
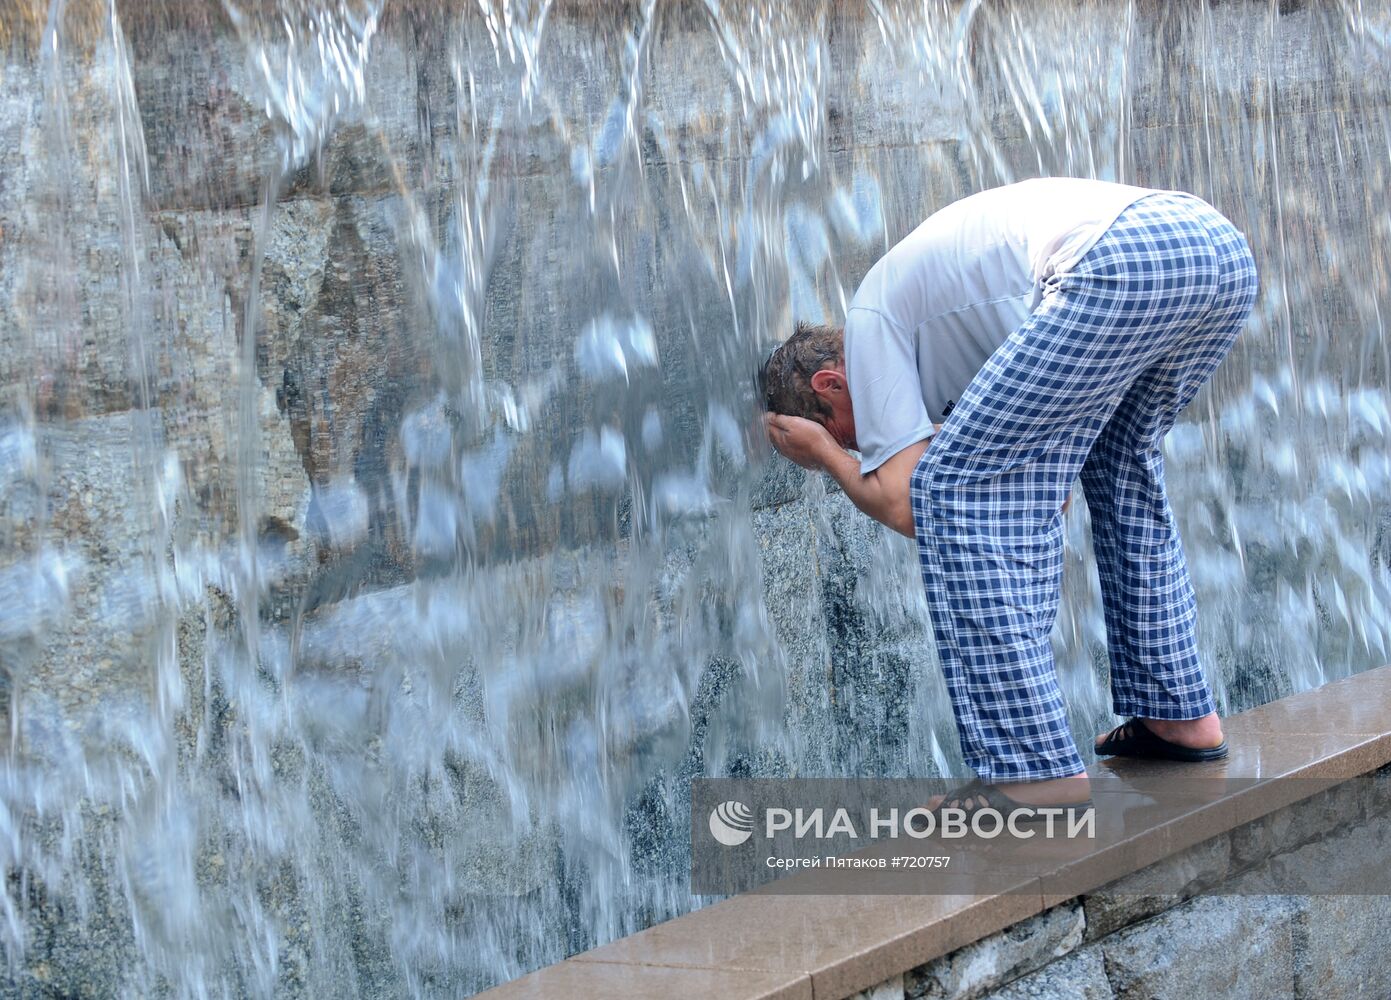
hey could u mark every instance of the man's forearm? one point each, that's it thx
(868, 493)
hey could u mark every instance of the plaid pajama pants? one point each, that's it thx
(1089, 384)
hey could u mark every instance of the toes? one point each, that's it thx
(1120, 732)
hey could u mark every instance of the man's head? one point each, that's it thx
(805, 377)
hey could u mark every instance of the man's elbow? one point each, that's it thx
(900, 518)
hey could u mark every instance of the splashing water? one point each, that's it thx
(387, 535)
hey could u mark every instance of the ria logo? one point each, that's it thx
(731, 823)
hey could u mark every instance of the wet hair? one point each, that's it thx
(784, 381)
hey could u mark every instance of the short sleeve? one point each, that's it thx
(881, 368)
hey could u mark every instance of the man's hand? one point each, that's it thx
(882, 494)
(803, 441)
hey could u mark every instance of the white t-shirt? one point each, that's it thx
(936, 306)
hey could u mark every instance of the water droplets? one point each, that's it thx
(610, 347)
(598, 461)
(311, 66)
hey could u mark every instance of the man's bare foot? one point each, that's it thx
(1198, 734)
(1053, 791)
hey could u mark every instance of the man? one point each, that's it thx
(1051, 328)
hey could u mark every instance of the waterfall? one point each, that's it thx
(386, 532)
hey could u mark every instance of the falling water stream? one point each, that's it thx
(386, 537)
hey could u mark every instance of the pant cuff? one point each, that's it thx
(996, 775)
(1170, 711)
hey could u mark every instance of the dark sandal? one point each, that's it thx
(975, 796)
(1133, 738)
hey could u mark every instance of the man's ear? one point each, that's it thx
(827, 380)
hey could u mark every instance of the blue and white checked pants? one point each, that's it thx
(1089, 385)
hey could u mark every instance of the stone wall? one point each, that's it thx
(1277, 907)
